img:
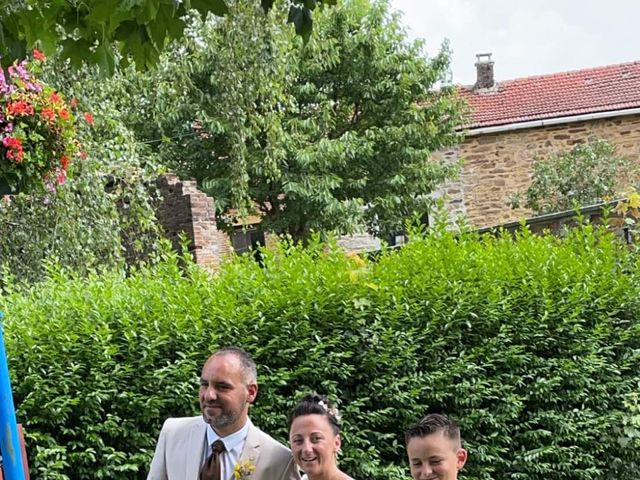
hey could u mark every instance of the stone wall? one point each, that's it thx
(498, 165)
(185, 209)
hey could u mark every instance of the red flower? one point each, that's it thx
(38, 55)
(12, 142)
(88, 118)
(64, 113)
(64, 162)
(48, 114)
(20, 107)
(55, 98)
(14, 148)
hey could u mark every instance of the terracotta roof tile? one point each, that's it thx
(601, 89)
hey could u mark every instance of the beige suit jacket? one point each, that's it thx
(180, 451)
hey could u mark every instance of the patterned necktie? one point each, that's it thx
(212, 466)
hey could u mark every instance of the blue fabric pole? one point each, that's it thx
(9, 440)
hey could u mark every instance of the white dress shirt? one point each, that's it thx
(233, 445)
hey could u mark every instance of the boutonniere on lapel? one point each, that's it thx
(243, 469)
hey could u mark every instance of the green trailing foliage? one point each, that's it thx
(98, 31)
(531, 343)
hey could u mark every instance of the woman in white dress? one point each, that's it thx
(314, 437)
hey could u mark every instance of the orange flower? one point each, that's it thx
(38, 55)
(64, 162)
(17, 155)
(55, 98)
(48, 114)
(88, 118)
(64, 114)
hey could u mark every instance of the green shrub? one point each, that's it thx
(584, 175)
(531, 343)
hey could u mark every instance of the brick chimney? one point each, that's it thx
(484, 71)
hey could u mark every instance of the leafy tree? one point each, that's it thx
(94, 29)
(328, 137)
(584, 175)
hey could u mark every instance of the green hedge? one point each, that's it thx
(532, 343)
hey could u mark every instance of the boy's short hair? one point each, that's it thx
(434, 423)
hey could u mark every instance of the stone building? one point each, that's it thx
(514, 122)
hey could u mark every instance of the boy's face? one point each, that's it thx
(435, 457)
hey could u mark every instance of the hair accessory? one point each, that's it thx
(333, 411)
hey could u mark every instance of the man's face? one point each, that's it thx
(224, 394)
(435, 457)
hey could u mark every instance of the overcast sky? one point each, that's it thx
(526, 37)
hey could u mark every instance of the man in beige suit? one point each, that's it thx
(222, 439)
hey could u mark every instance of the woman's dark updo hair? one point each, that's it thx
(314, 404)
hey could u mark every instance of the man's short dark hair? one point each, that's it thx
(247, 364)
(434, 423)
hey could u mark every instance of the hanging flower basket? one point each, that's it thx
(38, 138)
